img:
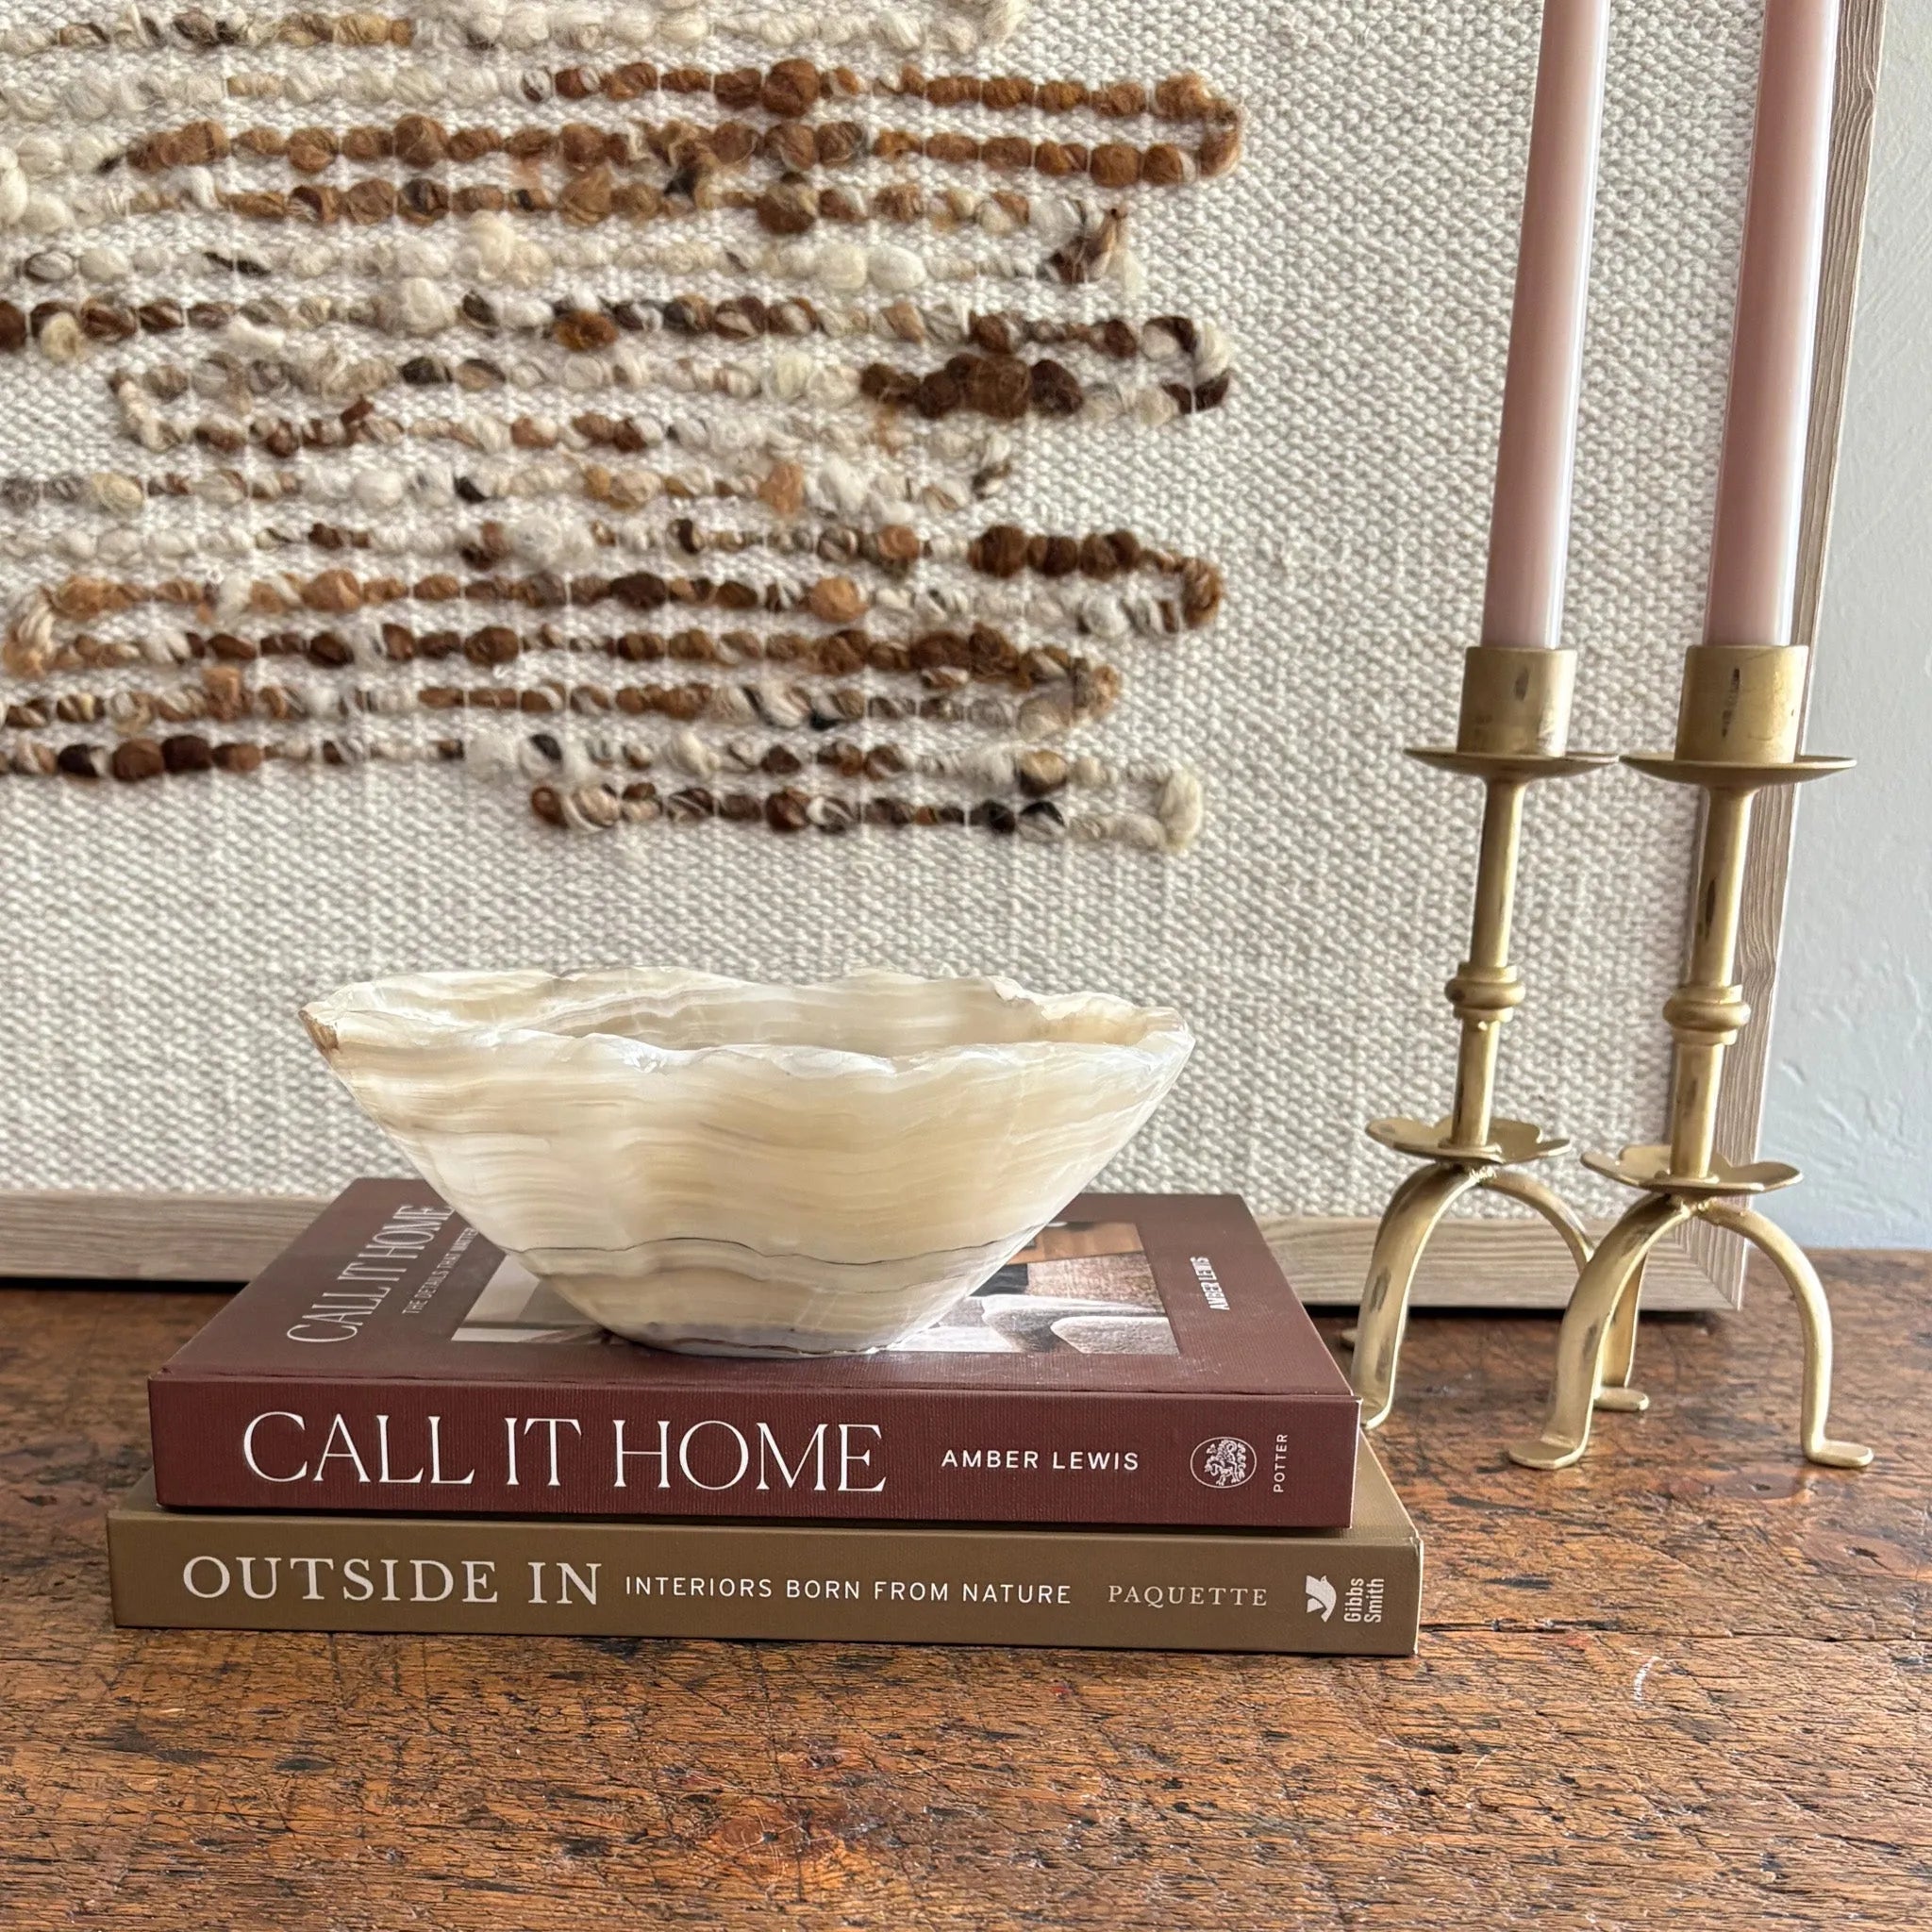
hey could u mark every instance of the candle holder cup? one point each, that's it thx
(1738, 731)
(1513, 731)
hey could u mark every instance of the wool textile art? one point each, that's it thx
(507, 383)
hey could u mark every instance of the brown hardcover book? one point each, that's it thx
(1349, 1593)
(1143, 1361)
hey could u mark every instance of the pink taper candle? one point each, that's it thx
(1530, 527)
(1753, 560)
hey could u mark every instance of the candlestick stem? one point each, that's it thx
(1488, 989)
(1708, 1012)
(1737, 734)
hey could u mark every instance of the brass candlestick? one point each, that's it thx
(1738, 729)
(1513, 730)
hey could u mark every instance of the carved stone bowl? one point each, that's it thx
(716, 1167)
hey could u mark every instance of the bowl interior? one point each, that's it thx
(884, 1016)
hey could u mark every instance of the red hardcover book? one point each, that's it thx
(1143, 1361)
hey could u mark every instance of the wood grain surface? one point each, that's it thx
(1684, 1683)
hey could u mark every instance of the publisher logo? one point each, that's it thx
(1224, 1462)
(1320, 1596)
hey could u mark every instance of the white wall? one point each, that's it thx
(1851, 1085)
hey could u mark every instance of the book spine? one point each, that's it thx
(1310, 1595)
(442, 1448)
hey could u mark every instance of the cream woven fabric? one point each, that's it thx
(161, 935)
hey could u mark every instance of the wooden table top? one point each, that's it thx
(1684, 1683)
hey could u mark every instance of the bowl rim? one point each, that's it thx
(353, 1017)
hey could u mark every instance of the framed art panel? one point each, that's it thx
(780, 488)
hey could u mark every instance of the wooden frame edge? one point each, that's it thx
(1488, 1264)
(230, 1237)
(1741, 1106)
(75, 1236)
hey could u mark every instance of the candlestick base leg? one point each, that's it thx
(1412, 1216)
(1602, 1317)
(1414, 1210)
(1583, 1347)
(1620, 1354)
(1620, 1350)
(1548, 1203)
(1814, 1314)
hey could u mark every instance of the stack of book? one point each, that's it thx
(1131, 1436)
